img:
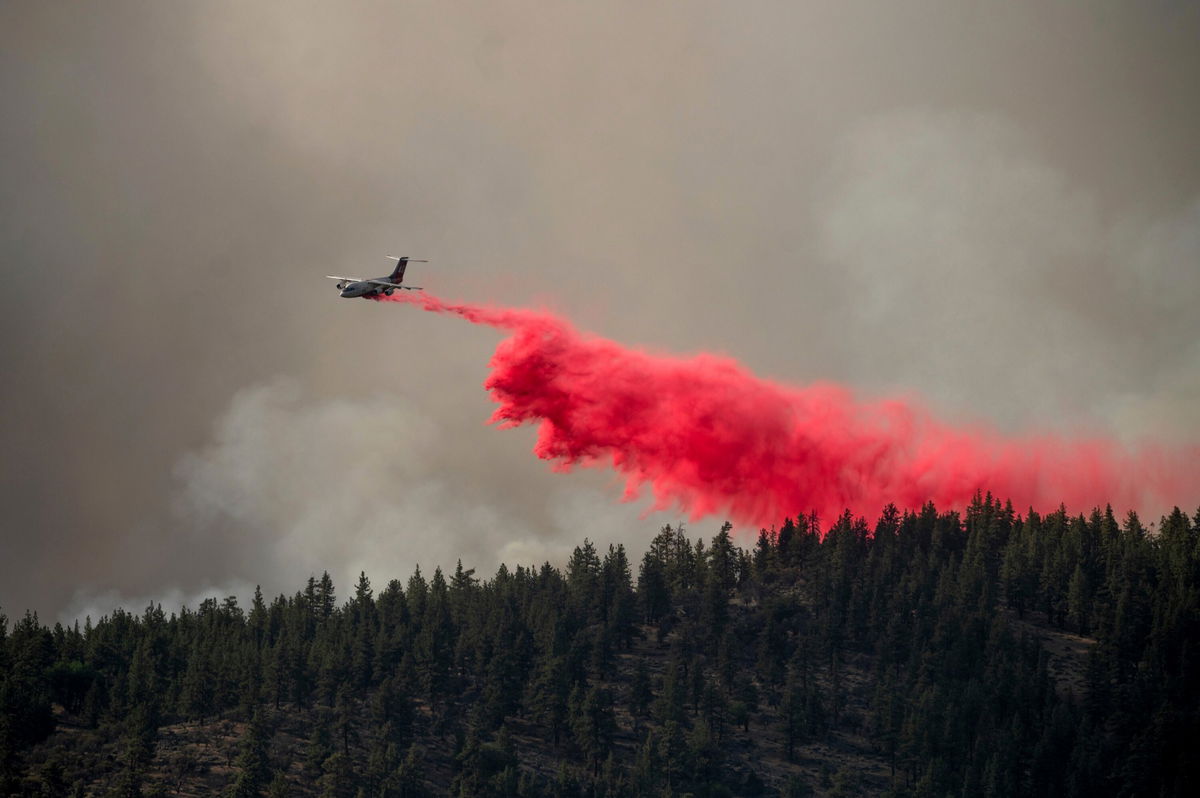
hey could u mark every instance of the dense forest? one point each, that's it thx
(983, 653)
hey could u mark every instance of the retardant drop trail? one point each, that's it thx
(704, 433)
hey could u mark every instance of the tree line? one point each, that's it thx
(911, 646)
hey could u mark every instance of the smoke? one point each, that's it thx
(997, 211)
(292, 483)
(705, 434)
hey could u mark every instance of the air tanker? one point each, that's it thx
(351, 287)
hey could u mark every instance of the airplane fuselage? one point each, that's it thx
(365, 288)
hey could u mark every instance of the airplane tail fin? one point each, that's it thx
(397, 275)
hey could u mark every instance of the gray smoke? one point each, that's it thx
(995, 209)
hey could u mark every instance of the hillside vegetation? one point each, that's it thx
(931, 654)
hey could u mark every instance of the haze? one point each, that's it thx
(993, 208)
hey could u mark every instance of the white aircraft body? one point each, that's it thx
(352, 287)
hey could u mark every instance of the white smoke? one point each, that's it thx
(982, 278)
(301, 485)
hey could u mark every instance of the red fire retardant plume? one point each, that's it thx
(705, 434)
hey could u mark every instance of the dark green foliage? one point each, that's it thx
(641, 693)
(254, 766)
(918, 640)
(592, 722)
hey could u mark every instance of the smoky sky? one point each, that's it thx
(994, 208)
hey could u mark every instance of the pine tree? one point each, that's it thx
(641, 693)
(253, 763)
(592, 723)
(326, 602)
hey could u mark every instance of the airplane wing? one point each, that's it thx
(349, 279)
(386, 284)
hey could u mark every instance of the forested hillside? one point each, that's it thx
(929, 654)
